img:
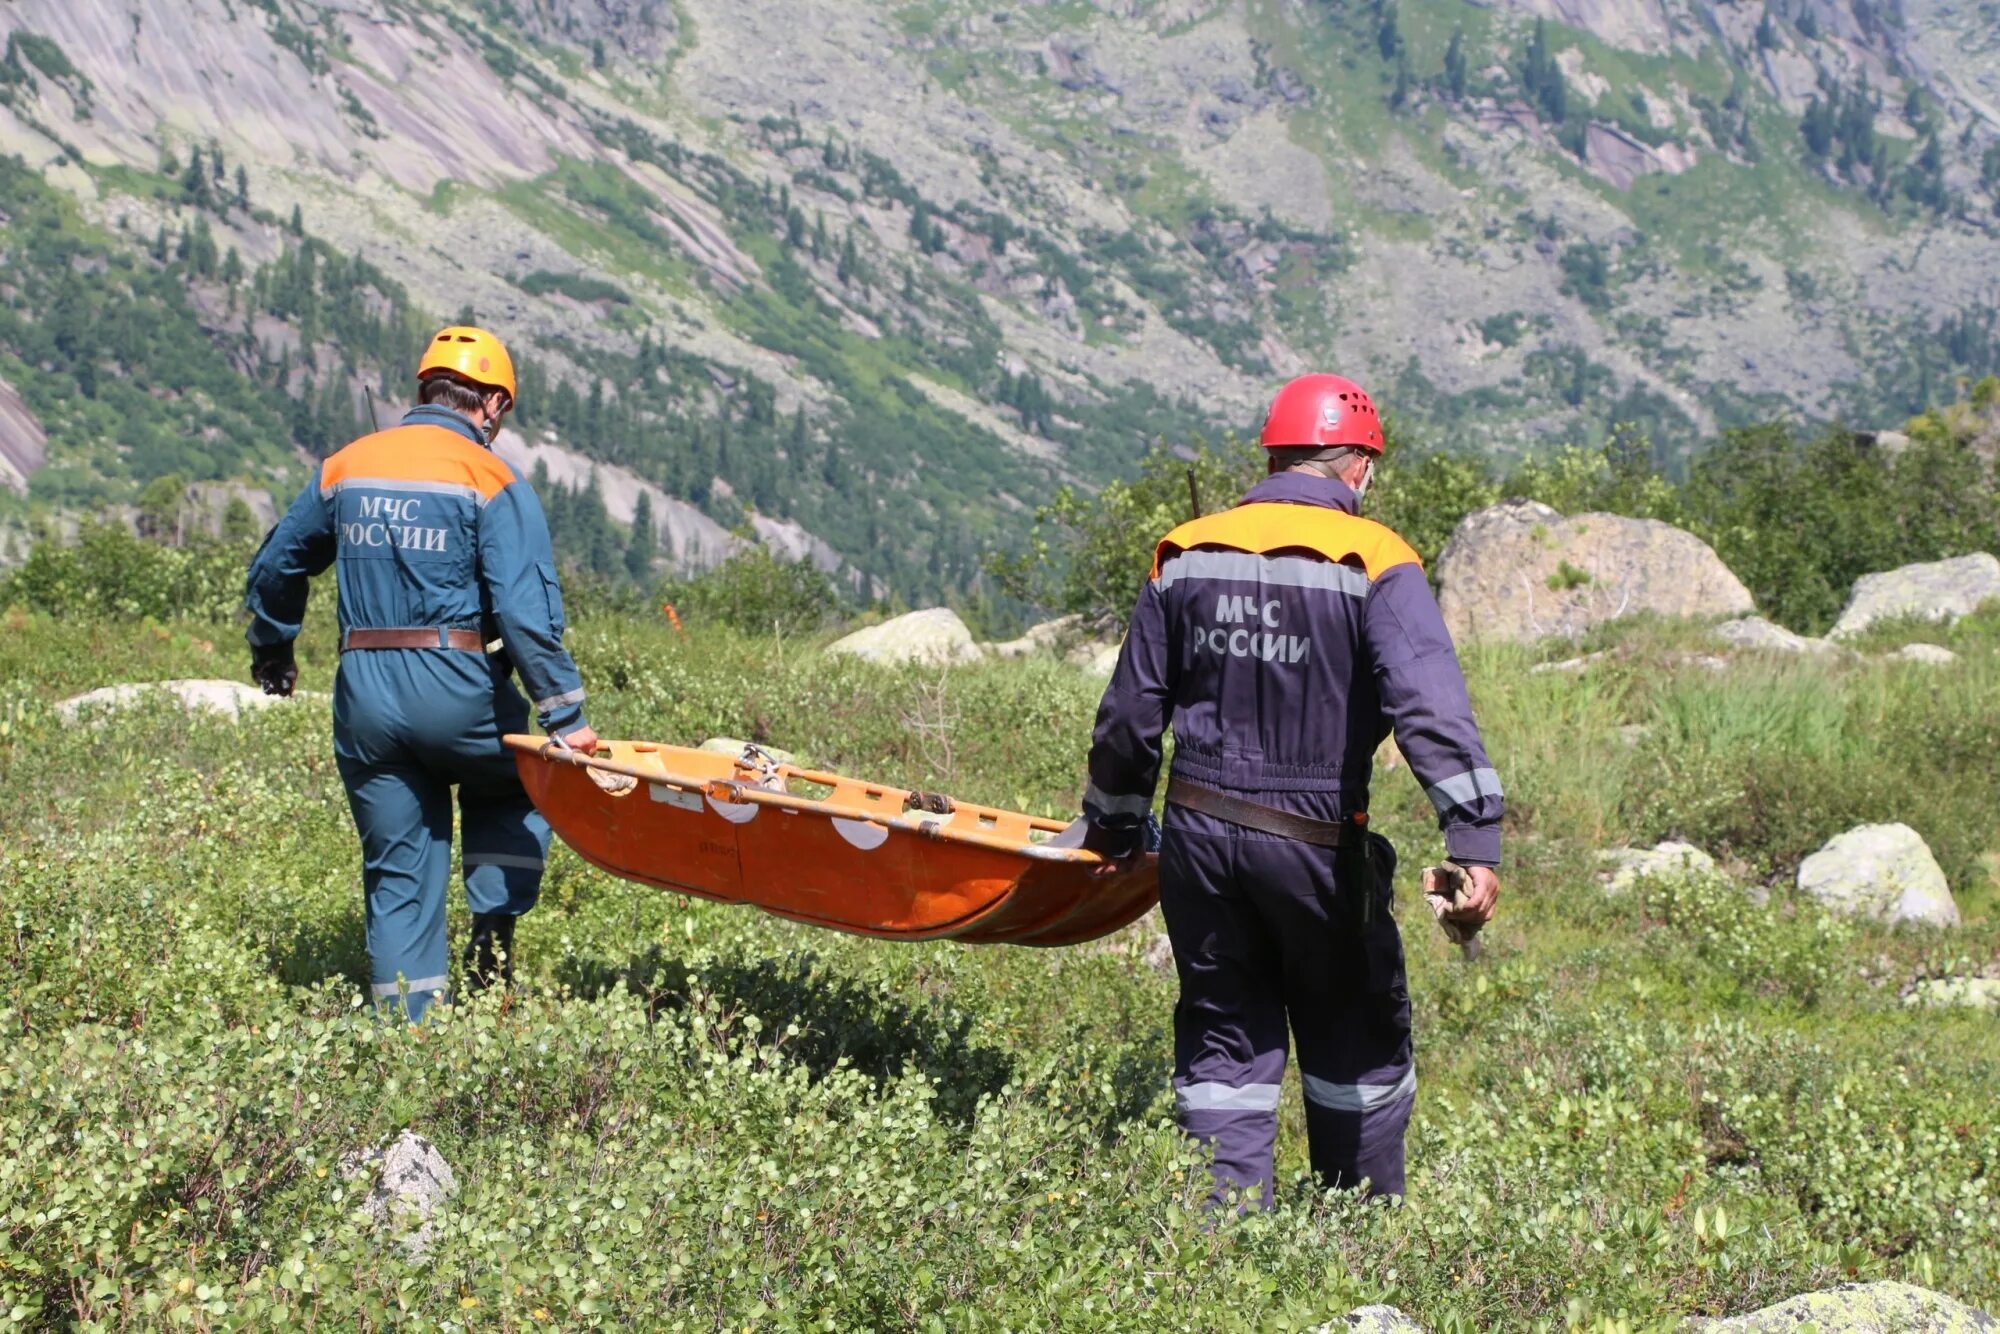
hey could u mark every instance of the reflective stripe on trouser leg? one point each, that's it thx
(403, 816)
(1358, 1130)
(1229, 1025)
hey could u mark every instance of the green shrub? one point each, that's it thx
(758, 592)
(107, 572)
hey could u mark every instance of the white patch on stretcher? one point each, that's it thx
(734, 811)
(862, 834)
(674, 796)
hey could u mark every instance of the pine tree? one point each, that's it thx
(1388, 33)
(1454, 66)
(848, 260)
(298, 223)
(644, 540)
(1767, 32)
(242, 187)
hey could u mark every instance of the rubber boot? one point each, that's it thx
(489, 955)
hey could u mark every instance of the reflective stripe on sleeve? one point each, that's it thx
(557, 701)
(1226, 1098)
(1359, 1097)
(1464, 789)
(1093, 795)
(503, 859)
(1250, 568)
(416, 986)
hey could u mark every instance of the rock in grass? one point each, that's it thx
(1939, 590)
(1973, 993)
(1373, 1320)
(1935, 655)
(1860, 1308)
(934, 636)
(1664, 861)
(1882, 871)
(231, 699)
(411, 1181)
(1520, 571)
(1761, 636)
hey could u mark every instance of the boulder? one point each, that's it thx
(1664, 861)
(1860, 1308)
(935, 636)
(231, 699)
(1758, 635)
(1975, 993)
(1519, 571)
(1105, 661)
(1373, 1320)
(410, 1180)
(1047, 637)
(1935, 655)
(1939, 590)
(1881, 871)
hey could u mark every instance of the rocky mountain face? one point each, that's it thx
(870, 280)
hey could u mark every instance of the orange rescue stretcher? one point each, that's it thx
(828, 850)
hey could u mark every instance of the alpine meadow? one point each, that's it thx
(777, 466)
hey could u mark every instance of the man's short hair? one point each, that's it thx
(1291, 456)
(454, 392)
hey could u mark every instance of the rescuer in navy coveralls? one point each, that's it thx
(1284, 639)
(440, 551)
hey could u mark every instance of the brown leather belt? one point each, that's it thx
(437, 637)
(1265, 819)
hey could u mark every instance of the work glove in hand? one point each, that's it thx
(274, 669)
(1442, 886)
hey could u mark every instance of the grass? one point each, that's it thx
(1673, 1102)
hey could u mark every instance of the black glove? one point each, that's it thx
(272, 667)
(1111, 844)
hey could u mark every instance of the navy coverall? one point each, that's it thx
(1285, 638)
(427, 529)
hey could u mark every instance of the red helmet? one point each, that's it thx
(1322, 411)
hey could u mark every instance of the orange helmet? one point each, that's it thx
(1323, 410)
(471, 354)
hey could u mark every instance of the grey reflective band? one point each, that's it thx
(1093, 795)
(1249, 568)
(557, 701)
(463, 492)
(503, 859)
(1464, 789)
(416, 987)
(1225, 1098)
(1360, 1097)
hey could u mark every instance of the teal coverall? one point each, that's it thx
(428, 530)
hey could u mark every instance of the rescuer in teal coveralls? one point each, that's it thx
(440, 553)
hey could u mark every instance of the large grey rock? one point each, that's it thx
(1860, 1308)
(24, 447)
(231, 699)
(1664, 861)
(1520, 572)
(1373, 1320)
(410, 1181)
(1975, 993)
(933, 636)
(1048, 637)
(1933, 655)
(1759, 635)
(1882, 871)
(1939, 590)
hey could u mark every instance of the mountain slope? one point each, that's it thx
(893, 272)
